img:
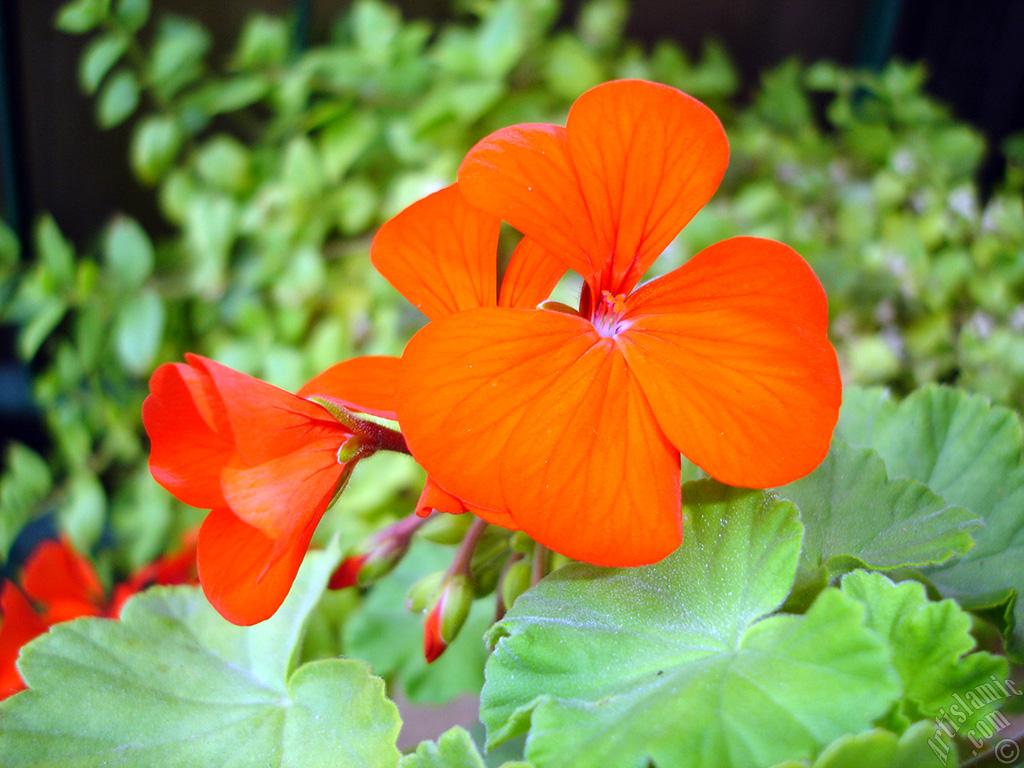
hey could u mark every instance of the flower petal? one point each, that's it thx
(434, 497)
(524, 175)
(190, 436)
(62, 580)
(531, 276)
(266, 421)
(648, 157)
(245, 575)
(533, 412)
(283, 496)
(441, 254)
(731, 352)
(609, 192)
(363, 384)
(19, 623)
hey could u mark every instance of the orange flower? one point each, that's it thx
(58, 584)
(571, 423)
(441, 254)
(265, 462)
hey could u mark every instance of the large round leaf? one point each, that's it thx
(682, 662)
(174, 685)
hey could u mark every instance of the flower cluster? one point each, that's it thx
(565, 423)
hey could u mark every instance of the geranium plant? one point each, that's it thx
(651, 526)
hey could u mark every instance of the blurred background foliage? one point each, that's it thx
(274, 165)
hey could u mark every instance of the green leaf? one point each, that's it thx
(679, 663)
(454, 749)
(138, 330)
(922, 745)
(854, 516)
(55, 252)
(99, 57)
(128, 252)
(81, 16)
(931, 647)
(968, 452)
(117, 99)
(131, 14)
(177, 55)
(46, 317)
(385, 633)
(223, 162)
(83, 513)
(155, 144)
(24, 484)
(174, 684)
(264, 42)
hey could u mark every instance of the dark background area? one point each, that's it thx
(54, 158)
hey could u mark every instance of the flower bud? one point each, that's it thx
(516, 581)
(521, 543)
(346, 574)
(433, 644)
(447, 616)
(446, 528)
(380, 561)
(424, 592)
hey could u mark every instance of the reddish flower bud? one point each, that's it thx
(346, 574)
(433, 644)
(447, 616)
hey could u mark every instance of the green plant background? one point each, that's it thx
(273, 166)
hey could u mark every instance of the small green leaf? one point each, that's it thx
(128, 252)
(99, 57)
(24, 484)
(155, 144)
(81, 16)
(138, 330)
(454, 749)
(922, 745)
(853, 515)
(176, 57)
(264, 42)
(931, 648)
(198, 691)
(55, 252)
(117, 99)
(968, 452)
(223, 162)
(374, 26)
(680, 663)
(211, 226)
(131, 14)
(46, 317)
(83, 513)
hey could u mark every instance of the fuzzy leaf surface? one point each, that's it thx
(172, 684)
(681, 663)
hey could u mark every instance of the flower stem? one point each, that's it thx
(465, 554)
(540, 562)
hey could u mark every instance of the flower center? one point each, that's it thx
(607, 314)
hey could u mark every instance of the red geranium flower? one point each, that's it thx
(265, 462)
(58, 584)
(572, 422)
